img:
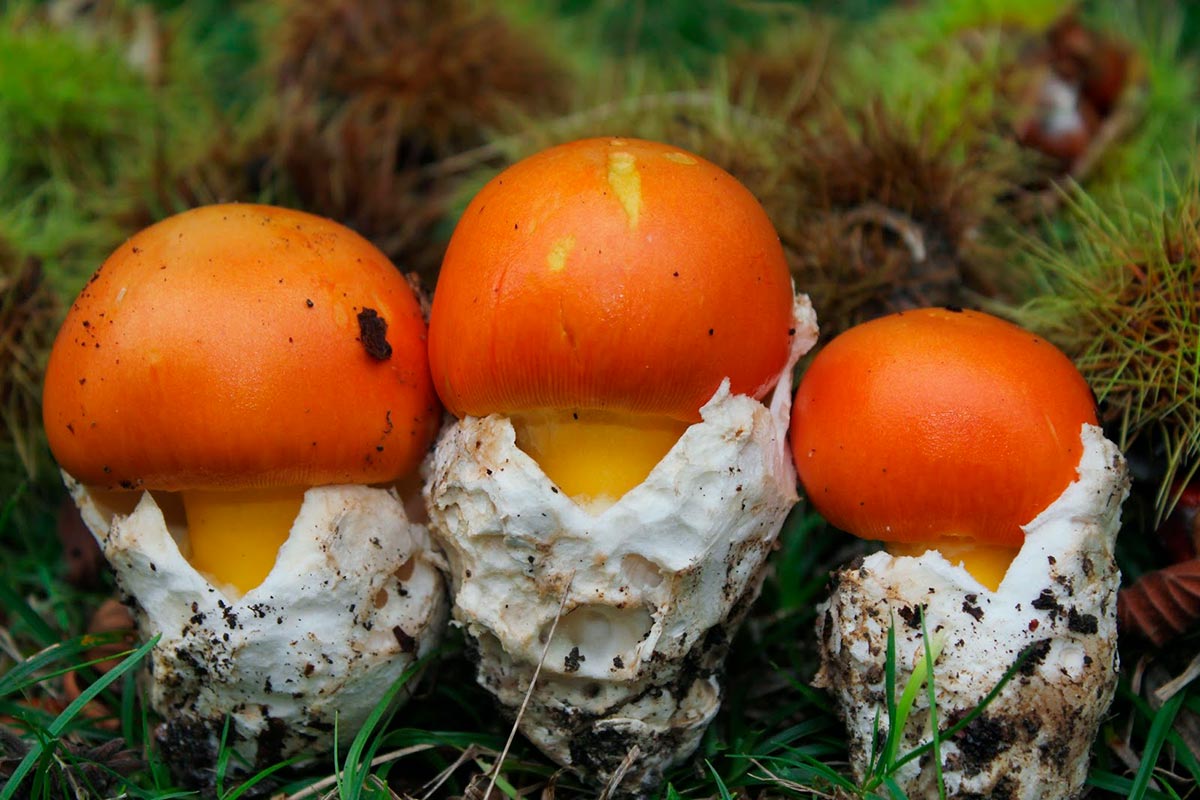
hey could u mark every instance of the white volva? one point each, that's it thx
(651, 589)
(356, 596)
(1058, 603)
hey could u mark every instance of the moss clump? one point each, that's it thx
(75, 113)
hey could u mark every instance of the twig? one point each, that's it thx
(9, 647)
(619, 773)
(1128, 757)
(1172, 687)
(512, 734)
(786, 783)
(899, 224)
(466, 755)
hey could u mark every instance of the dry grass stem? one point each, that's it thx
(314, 789)
(619, 773)
(469, 754)
(512, 734)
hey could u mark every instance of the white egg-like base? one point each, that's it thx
(1058, 600)
(356, 596)
(642, 597)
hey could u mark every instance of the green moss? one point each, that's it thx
(1166, 99)
(942, 67)
(676, 32)
(68, 105)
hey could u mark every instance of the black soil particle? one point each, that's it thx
(911, 616)
(372, 332)
(983, 739)
(1082, 623)
(1035, 654)
(407, 643)
(969, 606)
(1045, 601)
(1005, 789)
(572, 660)
(600, 751)
(187, 745)
(270, 743)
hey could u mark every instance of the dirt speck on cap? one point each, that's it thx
(372, 332)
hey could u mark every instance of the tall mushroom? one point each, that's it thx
(608, 316)
(222, 397)
(970, 447)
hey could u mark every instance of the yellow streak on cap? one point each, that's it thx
(625, 181)
(556, 259)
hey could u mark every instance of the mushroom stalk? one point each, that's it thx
(987, 564)
(596, 456)
(235, 535)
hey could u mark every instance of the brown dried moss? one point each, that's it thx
(29, 313)
(370, 93)
(886, 219)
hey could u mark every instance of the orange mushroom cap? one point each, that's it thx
(938, 424)
(241, 346)
(614, 274)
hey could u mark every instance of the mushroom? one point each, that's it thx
(609, 315)
(970, 447)
(232, 398)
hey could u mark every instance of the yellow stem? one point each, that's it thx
(988, 564)
(596, 456)
(236, 535)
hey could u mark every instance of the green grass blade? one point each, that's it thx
(894, 788)
(932, 651)
(362, 749)
(895, 724)
(1120, 785)
(69, 713)
(223, 754)
(31, 671)
(16, 605)
(1159, 728)
(502, 783)
(251, 782)
(1183, 754)
(722, 790)
(974, 713)
(899, 710)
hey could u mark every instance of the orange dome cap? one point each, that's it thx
(241, 346)
(613, 274)
(938, 423)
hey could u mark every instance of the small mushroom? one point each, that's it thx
(970, 447)
(231, 399)
(940, 429)
(230, 354)
(597, 294)
(608, 318)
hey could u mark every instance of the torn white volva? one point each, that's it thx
(1058, 601)
(356, 596)
(651, 588)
